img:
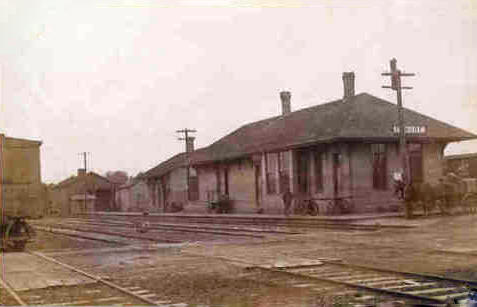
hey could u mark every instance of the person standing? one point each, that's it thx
(398, 184)
(287, 198)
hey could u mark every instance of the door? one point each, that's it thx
(258, 185)
(226, 181)
(302, 162)
(336, 171)
(415, 162)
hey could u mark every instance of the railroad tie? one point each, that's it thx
(133, 288)
(161, 302)
(106, 299)
(150, 295)
(408, 286)
(364, 298)
(352, 278)
(435, 290)
(345, 293)
(379, 281)
(302, 285)
(453, 295)
(140, 292)
(332, 275)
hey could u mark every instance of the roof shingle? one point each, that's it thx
(360, 117)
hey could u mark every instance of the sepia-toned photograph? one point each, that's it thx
(238, 153)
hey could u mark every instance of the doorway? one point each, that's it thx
(415, 162)
(336, 171)
(302, 162)
(258, 185)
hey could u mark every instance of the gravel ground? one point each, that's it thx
(439, 245)
(45, 241)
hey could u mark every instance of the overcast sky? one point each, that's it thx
(118, 78)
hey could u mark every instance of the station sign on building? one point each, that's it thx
(411, 129)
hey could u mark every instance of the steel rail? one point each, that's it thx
(50, 230)
(12, 292)
(246, 218)
(98, 279)
(178, 229)
(120, 235)
(155, 225)
(283, 222)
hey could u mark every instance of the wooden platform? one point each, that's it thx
(24, 272)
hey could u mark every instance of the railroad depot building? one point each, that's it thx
(86, 192)
(21, 191)
(344, 148)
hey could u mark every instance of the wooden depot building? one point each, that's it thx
(343, 148)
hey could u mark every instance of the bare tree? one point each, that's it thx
(117, 177)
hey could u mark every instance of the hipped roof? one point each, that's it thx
(362, 117)
(100, 181)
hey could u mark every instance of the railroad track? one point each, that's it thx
(94, 290)
(154, 234)
(278, 222)
(162, 232)
(157, 232)
(427, 289)
(213, 229)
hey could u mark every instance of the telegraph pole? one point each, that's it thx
(186, 132)
(84, 154)
(396, 75)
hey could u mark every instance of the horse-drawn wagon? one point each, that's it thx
(452, 193)
(469, 198)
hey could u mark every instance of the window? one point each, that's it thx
(271, 169)
(379, 166)
(318, 157)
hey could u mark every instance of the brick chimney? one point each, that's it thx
(190, 144)
(81, 172)
(285, 97)
(348, 85)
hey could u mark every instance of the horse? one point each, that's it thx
(425, 195)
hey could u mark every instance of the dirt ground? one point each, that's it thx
(213, 274)
(44, 241)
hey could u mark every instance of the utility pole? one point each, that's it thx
(84, 154)
(396, 75)
(186, 132)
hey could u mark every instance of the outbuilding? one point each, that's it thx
(86, 192)
(464, 165)
(21, 190)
